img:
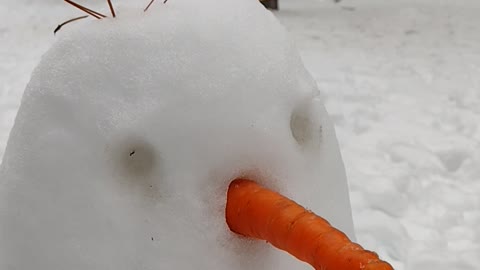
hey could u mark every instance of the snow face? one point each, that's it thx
(131, 129)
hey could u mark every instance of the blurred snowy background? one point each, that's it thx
(401, 79)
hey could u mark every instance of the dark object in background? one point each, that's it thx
(270, 4)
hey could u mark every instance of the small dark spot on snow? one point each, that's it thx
(152, 238)
(349, 8)
(134, 159)
(453, 159)
(411, 32)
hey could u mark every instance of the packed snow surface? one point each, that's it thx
(131, 129)
(401, 81)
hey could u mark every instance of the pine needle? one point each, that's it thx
(69, 21)
(86, 10)
(111, 8)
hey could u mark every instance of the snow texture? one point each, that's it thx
(401, 81)
(131, 129)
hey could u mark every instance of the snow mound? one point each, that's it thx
(131, 129)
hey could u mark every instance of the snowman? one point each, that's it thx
(132, 128)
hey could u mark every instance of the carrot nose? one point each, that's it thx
(256, 212)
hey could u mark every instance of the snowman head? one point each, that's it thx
(132, 128)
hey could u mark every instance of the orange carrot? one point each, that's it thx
(254, 211)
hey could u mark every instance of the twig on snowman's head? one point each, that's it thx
(111, 8)
(151, 2)
(148, 6)
(86, 10)
(69, 21)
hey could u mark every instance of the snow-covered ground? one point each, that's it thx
(401, 81)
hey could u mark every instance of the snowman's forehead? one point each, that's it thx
(177, 54)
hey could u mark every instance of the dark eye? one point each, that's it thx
(138, 157)
(135, 165)
(133, 156)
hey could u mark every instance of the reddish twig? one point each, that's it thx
(69, 21)
(111, 8)
(148, 6)
(86, 10)
(151, 2)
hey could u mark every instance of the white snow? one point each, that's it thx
(400, 79)
(131, 129)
